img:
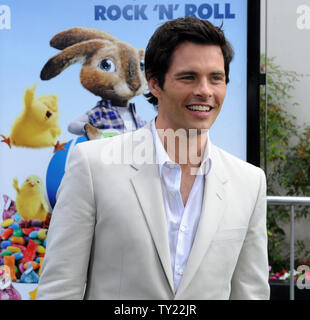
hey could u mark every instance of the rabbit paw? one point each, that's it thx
(92, 132)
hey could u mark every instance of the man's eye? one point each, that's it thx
(187, 78)
(218, 78)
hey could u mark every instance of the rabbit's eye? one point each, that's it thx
(107, 65)
(142, 65)
(38, 181)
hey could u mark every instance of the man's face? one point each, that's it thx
(194, 88)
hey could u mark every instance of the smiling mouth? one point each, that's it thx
(200, 108)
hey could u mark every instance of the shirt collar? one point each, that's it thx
(162, 157)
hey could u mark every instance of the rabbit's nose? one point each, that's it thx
(134, 86)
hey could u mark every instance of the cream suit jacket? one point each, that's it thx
(109, 230)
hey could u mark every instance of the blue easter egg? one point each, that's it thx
(5, 244)
(33, 235)
(56, 169)
(18, 256)
(14, 225)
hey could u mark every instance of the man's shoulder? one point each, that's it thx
(117, 139)
(103, 141)
(235, 164)
(123, 145)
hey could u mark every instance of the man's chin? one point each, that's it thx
(202, 131)
(201, 128)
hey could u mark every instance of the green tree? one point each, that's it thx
(285, 156)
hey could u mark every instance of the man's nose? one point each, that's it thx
(203, 88)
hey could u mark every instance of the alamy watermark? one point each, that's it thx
(303, 280)
(183, 147)
(303, 20)
(5, 17)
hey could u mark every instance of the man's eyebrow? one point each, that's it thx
(185, 73)
(190, 72)
(218, 73)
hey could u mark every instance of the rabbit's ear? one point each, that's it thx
(75, 35)
(76, 53)
(29, 95)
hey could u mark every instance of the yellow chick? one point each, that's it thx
(33, 294)
(30, 199)
(37, 125)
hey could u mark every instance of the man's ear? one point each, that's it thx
(154, 88)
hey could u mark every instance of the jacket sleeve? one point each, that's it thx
(70, 233)
(250, 278)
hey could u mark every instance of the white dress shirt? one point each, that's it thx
(182, 221)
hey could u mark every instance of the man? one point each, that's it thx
(181, 222)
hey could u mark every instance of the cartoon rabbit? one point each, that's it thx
(112, 70)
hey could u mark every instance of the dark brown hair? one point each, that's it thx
(171, 34)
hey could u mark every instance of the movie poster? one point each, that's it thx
(47, 98)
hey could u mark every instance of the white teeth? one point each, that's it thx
(199, 108)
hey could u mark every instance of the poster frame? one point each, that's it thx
(253, 83)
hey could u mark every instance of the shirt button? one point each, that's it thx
(173, 193)
(182, 228)
(180, 272)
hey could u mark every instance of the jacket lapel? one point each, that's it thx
(213, 207)
(147, 185)
(149, 193)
